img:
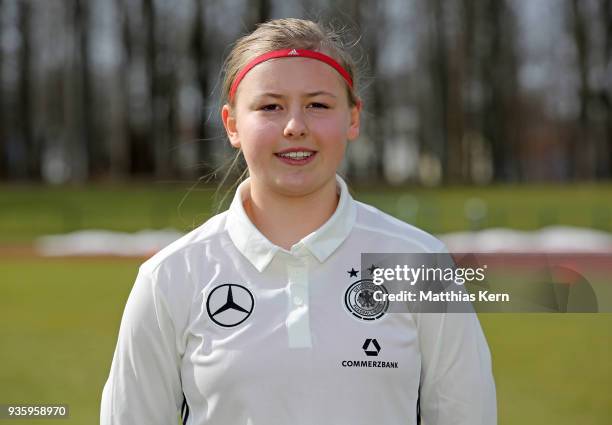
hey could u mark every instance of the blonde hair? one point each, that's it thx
(288, 33)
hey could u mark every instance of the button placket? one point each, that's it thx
(298, 321)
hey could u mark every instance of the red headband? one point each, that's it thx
(289, 53)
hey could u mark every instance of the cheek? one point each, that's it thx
(257, 137)
(335, 135)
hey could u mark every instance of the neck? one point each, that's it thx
(285, 220)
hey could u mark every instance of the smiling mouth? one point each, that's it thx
(296, 155)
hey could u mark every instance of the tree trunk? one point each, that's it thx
(499, 69)
(96, 157)
(438, 143)
(32, 150)
(153, 144)
(581, 144)
(4, 173)
(606, 94)
(120, 128)
(259, 11)
(202, 59)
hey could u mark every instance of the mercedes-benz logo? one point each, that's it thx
(229, 304)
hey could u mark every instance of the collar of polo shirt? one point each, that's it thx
(321, 243)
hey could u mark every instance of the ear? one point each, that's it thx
(353, 130)
(229, 122)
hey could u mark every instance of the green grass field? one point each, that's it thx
(27, 212)
(59, 322)
(59, 317)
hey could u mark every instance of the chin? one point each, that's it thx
(299, 185)
(294, 190)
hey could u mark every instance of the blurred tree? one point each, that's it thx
(600, 110)
(87, 133)
(370, 20)
(257, 11)
(581, 147)
(153, 125)
(437, 136)
(606, 94)
(122, 133)
(136, 94)
(162, 91)
(72, 124)
(199, 50)
(469, 86)
(4, 173)
(32, 149)
(499, 69)
(91, 89)
(459, 34)
(590, 25)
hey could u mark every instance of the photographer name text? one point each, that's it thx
(450, 296)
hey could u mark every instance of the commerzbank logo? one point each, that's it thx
(371, 348)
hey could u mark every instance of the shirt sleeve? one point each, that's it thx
(457, 385)
(144, 385)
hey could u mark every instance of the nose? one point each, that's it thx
(296, 126)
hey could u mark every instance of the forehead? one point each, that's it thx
(291, 75)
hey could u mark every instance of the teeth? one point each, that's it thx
(296, 155)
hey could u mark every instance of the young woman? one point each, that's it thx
(256, 317)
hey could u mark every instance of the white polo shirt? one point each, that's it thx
(225, 328)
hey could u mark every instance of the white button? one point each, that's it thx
(298, 300)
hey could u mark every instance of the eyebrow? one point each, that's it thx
(311, 94)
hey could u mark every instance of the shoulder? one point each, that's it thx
(179, 252)
(380, 225)
(167, 283)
